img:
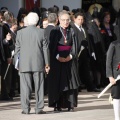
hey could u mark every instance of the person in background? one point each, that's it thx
(15, 78)
(21, 22)
(45, 23)
(107, 30)
(84, 52)
(21, 14)
(1, 16)
(52, 21)
(6, 37)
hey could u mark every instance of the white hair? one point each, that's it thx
(32, 18)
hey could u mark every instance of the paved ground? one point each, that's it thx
(89, 108)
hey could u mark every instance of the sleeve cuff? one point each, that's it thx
(57, 56)
(71, 56)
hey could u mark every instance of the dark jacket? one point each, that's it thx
(4, 49)
(113, 60)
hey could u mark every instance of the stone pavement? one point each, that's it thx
(89, 108)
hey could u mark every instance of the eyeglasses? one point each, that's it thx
(67, 20)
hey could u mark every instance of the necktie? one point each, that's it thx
(83, 32)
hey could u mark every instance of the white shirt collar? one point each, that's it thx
(78, 26)
(51, 24)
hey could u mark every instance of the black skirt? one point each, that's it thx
(115, 91)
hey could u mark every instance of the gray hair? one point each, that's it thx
(52, 17)
(32, 18)
(63, 12)
(7, 16)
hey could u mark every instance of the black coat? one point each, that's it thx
(113, 59)
(62, 76)
(98, 45)
(4, 48)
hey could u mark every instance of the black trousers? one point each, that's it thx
(5, 83)
(85, 70)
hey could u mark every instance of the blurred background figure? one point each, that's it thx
(45, 23)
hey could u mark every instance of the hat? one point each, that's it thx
(66, 8)
(56, 7)
(4, 9)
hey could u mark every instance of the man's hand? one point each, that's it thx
(47, 69)
(61, 59)
(68, 58)
(112, 80)
(8, 37)
(9, 60)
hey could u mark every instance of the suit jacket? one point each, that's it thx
(81, 40)
(32, 49)
(48, 31)
(113, 60)
(78, 36)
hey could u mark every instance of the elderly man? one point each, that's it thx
(63, 61)
(32, 49)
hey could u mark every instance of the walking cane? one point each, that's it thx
(107, 87)
(8, 66)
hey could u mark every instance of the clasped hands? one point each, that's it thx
(62, 59)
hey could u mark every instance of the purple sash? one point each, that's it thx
(64, 48)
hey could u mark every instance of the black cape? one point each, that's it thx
(62, 76)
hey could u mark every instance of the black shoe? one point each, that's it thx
(12, 94)
(41, 112)
(57, 109)
(94, 90)
(71, 109)
(97, 90)
(23, 112)
(6, 98)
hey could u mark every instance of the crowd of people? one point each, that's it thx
(55, 53)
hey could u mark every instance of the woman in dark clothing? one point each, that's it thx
(113, 70)
(107, 30)
(63, 75)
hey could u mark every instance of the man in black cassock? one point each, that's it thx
(63, 80)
